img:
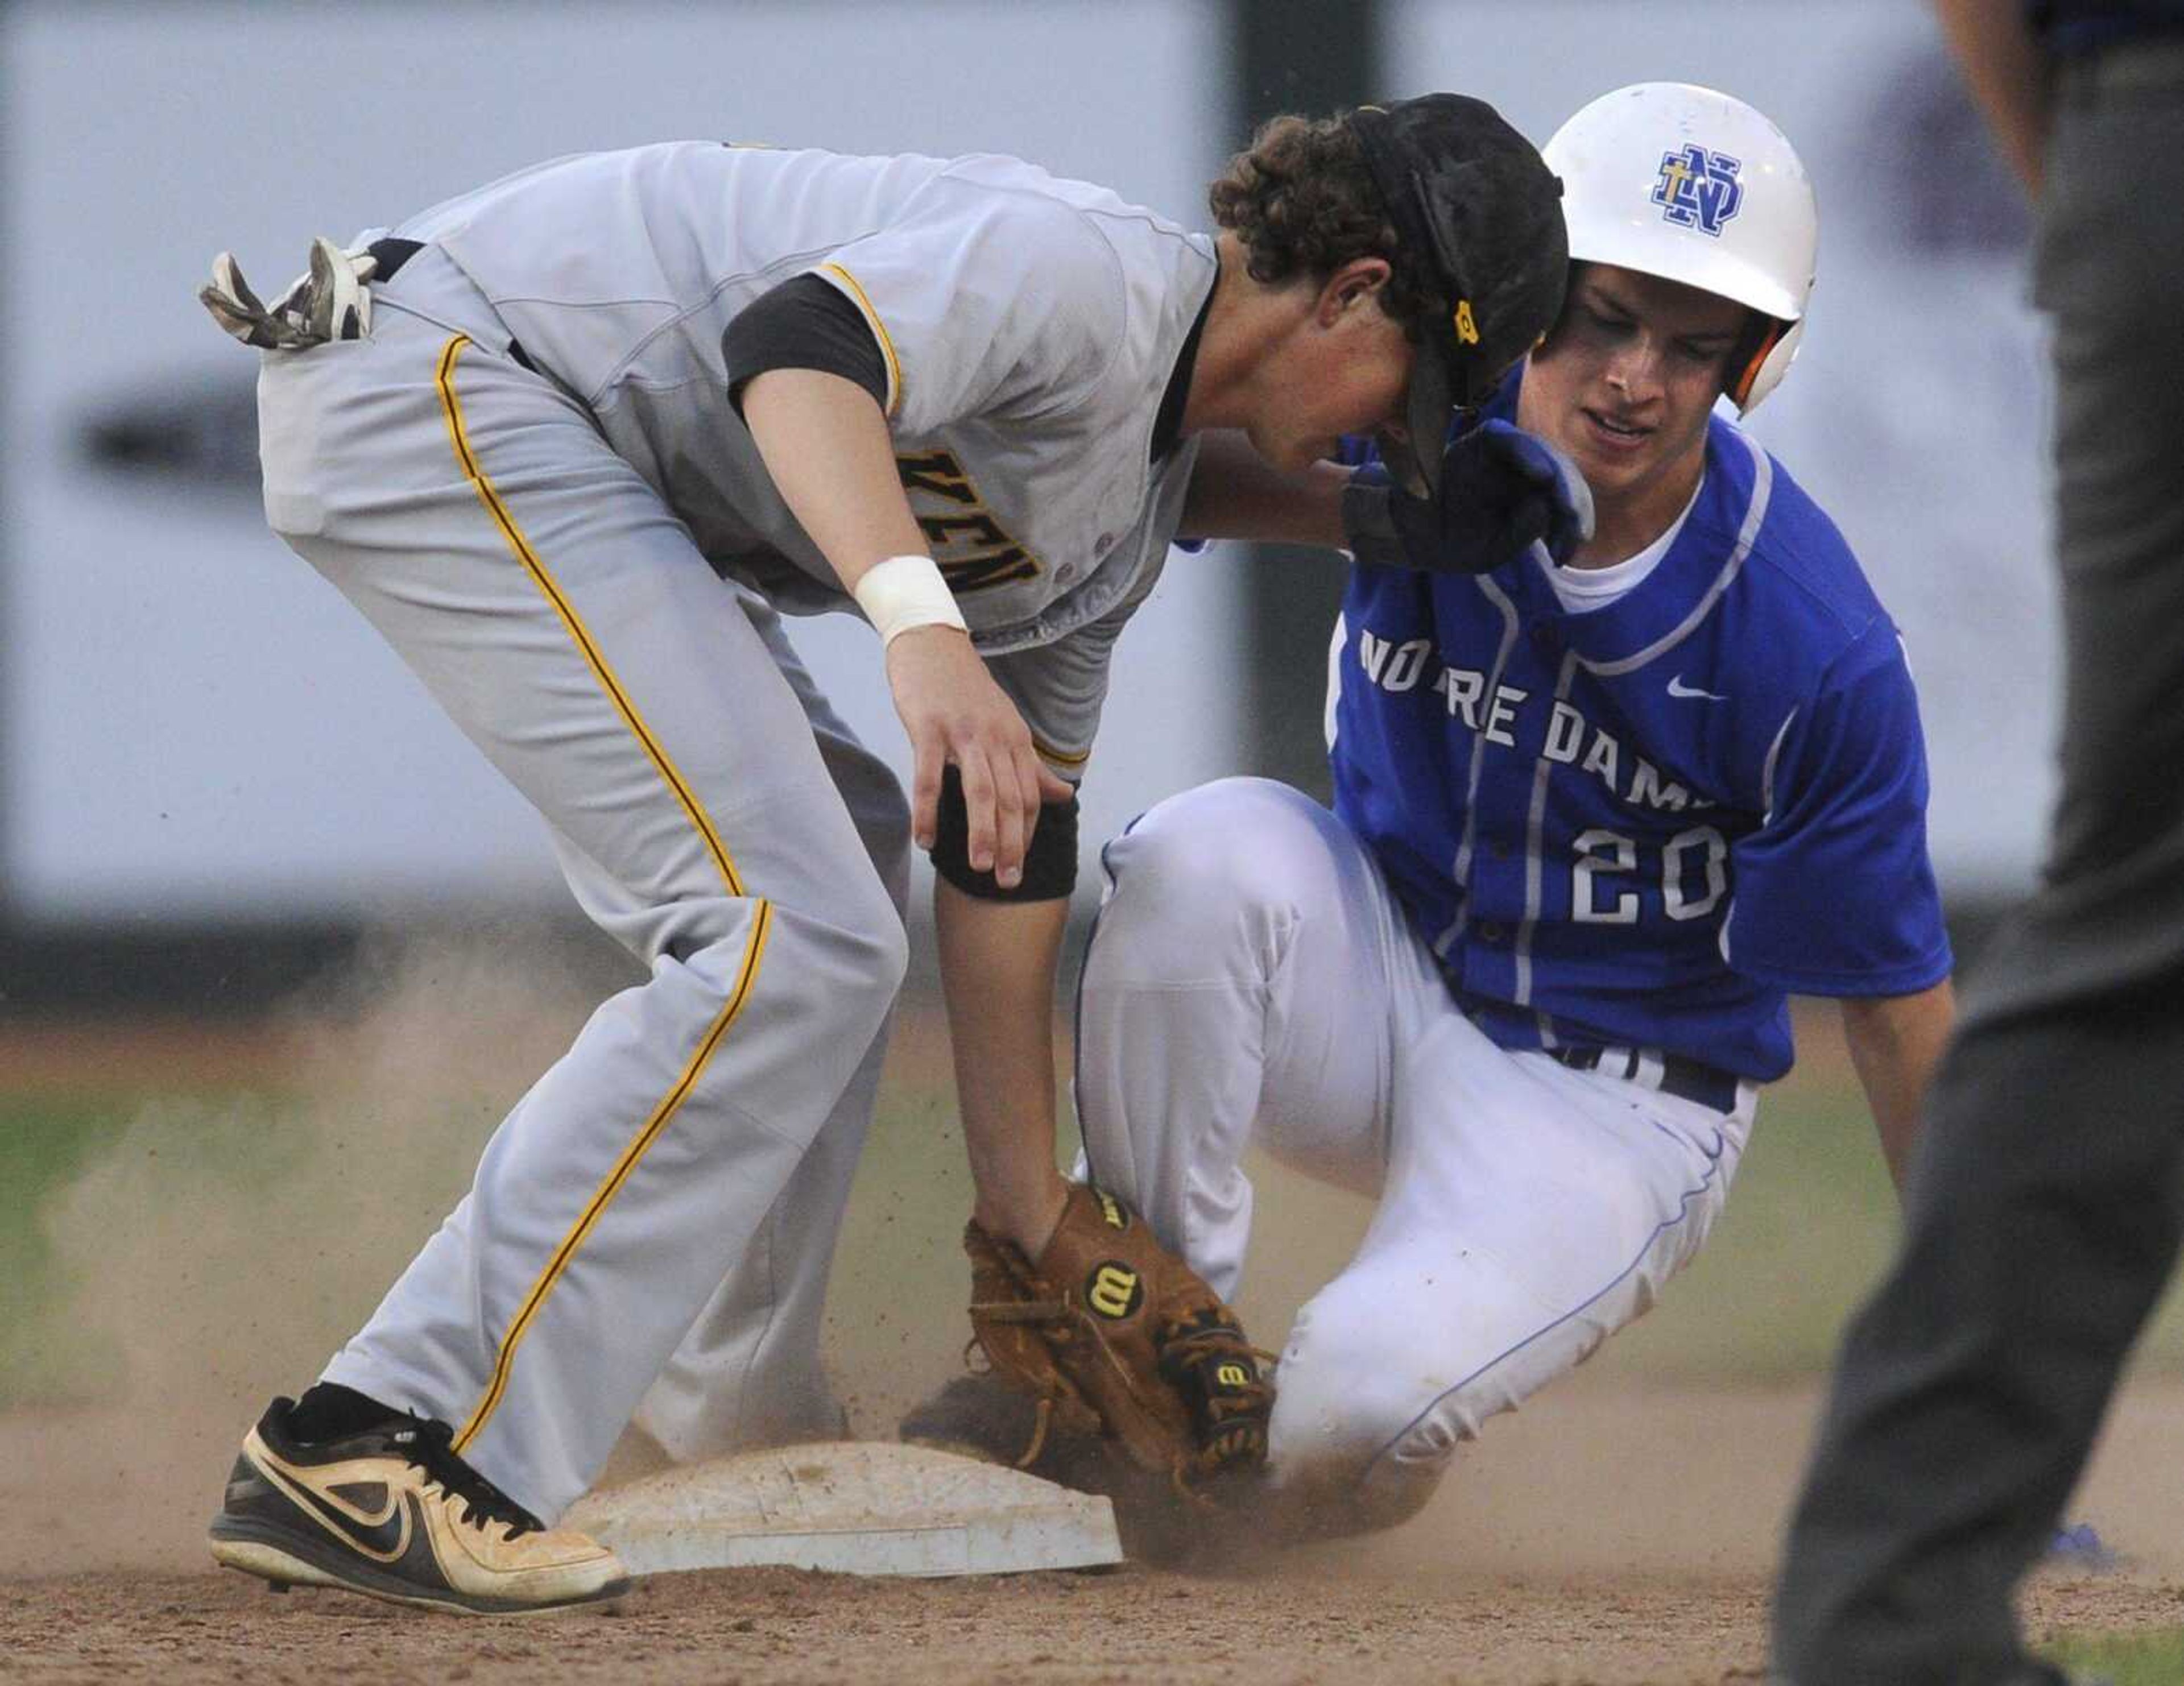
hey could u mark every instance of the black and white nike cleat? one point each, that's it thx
(391, 1512)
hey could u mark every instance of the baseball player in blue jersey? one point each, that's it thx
(573, 443)
(1592, 823)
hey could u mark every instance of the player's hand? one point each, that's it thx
(1501, 491)
(954, 712)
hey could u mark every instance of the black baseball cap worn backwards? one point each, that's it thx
(1478, 218)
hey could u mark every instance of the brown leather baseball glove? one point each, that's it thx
(1114, 1335)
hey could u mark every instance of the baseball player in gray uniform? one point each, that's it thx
(573, 443)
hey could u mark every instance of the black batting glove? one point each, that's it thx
(1502, 490)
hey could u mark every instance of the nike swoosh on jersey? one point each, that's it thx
(1678, 688)
(384, 1537)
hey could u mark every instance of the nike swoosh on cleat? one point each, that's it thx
(1678, 688)
(384, 1538)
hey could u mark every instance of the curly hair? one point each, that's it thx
(1302, 202)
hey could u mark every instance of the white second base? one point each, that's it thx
(856, 1508)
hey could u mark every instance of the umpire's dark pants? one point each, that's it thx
(2048, 1197)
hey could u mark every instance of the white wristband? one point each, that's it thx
(903, 593)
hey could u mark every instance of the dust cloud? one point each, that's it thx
(220, 1251)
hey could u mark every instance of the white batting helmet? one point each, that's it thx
(1695, 186)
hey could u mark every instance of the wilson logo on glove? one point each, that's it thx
(1111, 1210)
(1114, 1290)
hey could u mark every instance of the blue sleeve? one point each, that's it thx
(1834, 892)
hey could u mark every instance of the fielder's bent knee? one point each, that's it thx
(889, 944)
(869, 947)
(851, 949)
(881, 812)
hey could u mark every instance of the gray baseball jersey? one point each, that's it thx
(1029, 326)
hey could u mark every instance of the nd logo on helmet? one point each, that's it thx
(1699, 189)
(1114, 1289)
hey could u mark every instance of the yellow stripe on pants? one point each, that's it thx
(761, 911)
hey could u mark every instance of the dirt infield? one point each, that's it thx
(785, 1628)
(1608, 1535)
(1621, 1529)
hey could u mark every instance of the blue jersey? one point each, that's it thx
(1645, 823)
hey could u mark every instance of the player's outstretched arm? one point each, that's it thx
(997, 971)
(825, 443)
(1072, 1298)
(1896, 1043)
(1501, 491)
(1236, 494)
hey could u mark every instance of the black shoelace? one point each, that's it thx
(430, 1445)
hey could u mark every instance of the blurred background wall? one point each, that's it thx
(211, 771)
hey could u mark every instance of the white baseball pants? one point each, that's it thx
(1252, 980)
(675, 1180)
